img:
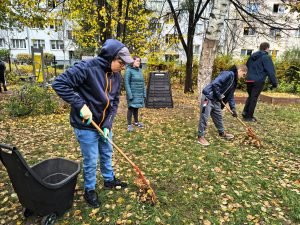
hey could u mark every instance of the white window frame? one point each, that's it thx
(280, 8)
(18, 43)
(245, 52)
(36, 43)
(253, 7)
(57, 44)
(251, 31)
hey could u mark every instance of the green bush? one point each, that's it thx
(32, 100)
(288, 71)
(4, 54)
(225, 62)
(24, 58)
(48, 58)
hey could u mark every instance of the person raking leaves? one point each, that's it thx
(219, 90)
(92, 88)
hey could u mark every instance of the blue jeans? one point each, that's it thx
(92, 146)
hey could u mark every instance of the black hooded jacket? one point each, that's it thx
(259, 66)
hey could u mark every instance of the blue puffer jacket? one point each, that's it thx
(225, 84)
(91, 82)
(135, 87)
(259, 66)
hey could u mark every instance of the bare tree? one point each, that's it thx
(194, 11)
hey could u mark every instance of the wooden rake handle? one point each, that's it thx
(249, 129)
(115, 146)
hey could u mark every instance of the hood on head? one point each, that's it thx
(110, 49)
(255, 56)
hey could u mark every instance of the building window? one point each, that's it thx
(196, 49)
(278, 8)
(169, 19)
(275, 32)
(245, 52)
(1, 43)
(38, 43)
(56, 25)
(18, 43)
(249, 31)
(168, 38)
(56, 44)
(70, 34)
(171, 57)
(252, 7)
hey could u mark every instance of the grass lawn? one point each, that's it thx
(229, 182)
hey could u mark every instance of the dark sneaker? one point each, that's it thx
(226, 136)
(91, 198)
(250, 119)
(139, 125)
(203, 141)
(115, 183)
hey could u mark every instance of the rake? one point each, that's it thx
(249, 130)
(141, 180)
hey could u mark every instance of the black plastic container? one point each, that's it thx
(45, 189)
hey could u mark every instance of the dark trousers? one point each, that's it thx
(2, 80)
(254, 89)
(133, 111)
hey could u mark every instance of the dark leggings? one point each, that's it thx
(133, 111)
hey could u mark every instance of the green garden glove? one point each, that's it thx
(86, 114)
(105, 135)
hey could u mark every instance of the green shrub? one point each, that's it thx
(24, 58)
(48, 58)
(225, 62)
(33, 100)
(4, 54)
(288, 71)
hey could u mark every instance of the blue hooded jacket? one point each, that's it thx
(224, 85)
(92, 82)
(259, 66)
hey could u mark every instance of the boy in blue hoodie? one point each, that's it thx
(92, 88)
(260, 65)
(219, 91)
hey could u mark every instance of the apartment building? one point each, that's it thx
(55, 39)
(243, 38)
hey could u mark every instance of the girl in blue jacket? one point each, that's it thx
(135, 91)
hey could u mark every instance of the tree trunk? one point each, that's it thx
(210, 43)
(125, 22)
(188, 85)
(208, 54)
(120, 25)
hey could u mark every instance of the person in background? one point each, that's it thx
(135, 92)
(260, 65)
(2, 76)
(219, 91)
(92, 88)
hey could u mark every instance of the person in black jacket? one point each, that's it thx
(92, 88)
(219, 91)
(2, 76)
(260, 65)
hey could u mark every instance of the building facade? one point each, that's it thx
(243, 38)
(55, 39)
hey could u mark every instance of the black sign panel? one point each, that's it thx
(159, 94)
